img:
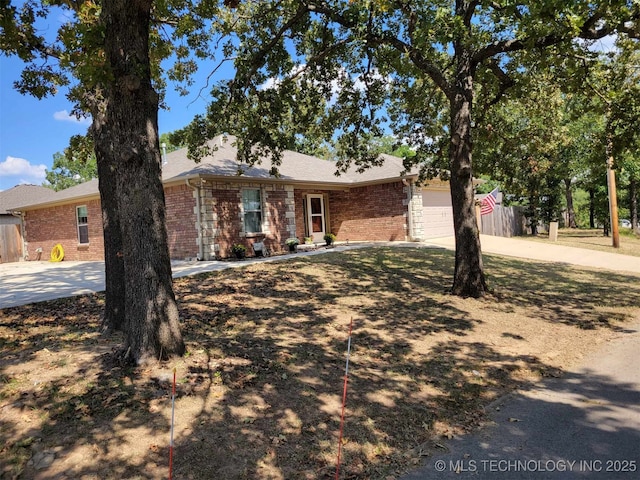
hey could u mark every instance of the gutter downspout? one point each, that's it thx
(409, 185)
(198, 220)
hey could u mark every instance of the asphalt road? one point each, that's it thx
(585, 425)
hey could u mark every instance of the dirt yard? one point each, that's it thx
(259, 392)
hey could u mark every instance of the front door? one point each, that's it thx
(315, 217)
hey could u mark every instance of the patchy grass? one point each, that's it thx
(259, 392)
(594, 240)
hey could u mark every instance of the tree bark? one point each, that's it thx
(592, 208)
(469, 280)
(571, 214)
(127, 138)
(633, 203)
(114, 309)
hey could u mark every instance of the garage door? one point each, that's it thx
(437, 214)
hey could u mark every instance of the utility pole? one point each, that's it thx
(611, 174)
(613, 198)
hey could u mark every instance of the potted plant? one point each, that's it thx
(292, 243)
(239, 250)
(308, 240)
(329, 238)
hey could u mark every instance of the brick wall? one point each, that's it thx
(227, 224)
(277, 204)
(224, 224)
(181, 222)
(47, 227)
(374, 212)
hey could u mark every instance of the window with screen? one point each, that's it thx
(83, 224)
(252, 210)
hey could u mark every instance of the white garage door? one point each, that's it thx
(437, 213)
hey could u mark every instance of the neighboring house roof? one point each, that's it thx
(24, 195)
(295, 168)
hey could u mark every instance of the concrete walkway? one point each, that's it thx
(585, 425)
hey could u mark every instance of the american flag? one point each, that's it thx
(489, 202)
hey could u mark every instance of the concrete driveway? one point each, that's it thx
(515, 247)
(28, 282)
(22, 283)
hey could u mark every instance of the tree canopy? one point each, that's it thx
(344, 72)
(76, 164)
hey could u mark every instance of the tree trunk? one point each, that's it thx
(128, 138)
(114, 309)
(571, 214)
(469, 280)
(633, 203)
(592, 208)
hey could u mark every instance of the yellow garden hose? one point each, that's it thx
(57, 254)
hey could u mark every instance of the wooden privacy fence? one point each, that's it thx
(10, 243)
(503, 222)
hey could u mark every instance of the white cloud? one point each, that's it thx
(65, 116)
(19, 167)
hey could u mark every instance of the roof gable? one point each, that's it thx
(295, 168)
(23, 195)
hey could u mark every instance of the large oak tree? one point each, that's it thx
(344, 71)
(108, 54)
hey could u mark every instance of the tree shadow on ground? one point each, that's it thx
(579, 297)
(259, 393)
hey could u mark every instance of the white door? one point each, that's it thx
(315, 217)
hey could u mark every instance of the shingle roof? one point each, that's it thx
(295, 168)
(24, 195)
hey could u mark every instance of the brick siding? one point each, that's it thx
(181, 222)
(224, 223)
(373, 212)
(47, 227)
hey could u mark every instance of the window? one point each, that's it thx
(252, 210)
(83, 224)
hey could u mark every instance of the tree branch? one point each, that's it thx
(587, 32)
(258, 59)
(385, 39)
(469, 11)
(505, 82)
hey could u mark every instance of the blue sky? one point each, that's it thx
(32, 130)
